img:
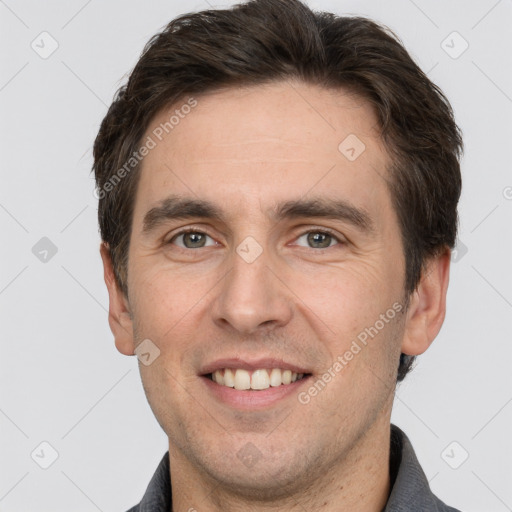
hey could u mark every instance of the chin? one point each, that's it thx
(251, 473)
(260, 482)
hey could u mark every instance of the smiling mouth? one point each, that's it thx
(256, 380)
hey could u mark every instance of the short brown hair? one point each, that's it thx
(271, 40)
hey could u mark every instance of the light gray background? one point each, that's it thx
(63, 382)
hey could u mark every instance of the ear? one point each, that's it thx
(427, 306)
(119, 315)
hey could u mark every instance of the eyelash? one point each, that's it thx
(324, 231)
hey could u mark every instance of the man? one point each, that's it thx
(278, 192)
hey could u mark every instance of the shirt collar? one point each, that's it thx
(411, 490)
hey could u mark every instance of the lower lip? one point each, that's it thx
(253, 399)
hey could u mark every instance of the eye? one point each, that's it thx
(192, 240)
(317, 240)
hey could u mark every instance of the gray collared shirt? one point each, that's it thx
(410, 491)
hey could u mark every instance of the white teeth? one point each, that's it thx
(229, 378)
(275, 377)
(242, 380)
(260, 379)
(218, 377)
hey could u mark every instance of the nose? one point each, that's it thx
(252, 297)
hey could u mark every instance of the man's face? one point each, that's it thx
(274, 282)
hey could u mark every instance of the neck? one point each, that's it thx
(358, 482)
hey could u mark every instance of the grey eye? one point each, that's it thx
(317, 239)
(192, 240)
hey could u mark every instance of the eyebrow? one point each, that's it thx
(178, 207)
(336, 209)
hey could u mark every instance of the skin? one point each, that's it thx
(301, 303)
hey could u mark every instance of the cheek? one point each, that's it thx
(161, 298)
(353, 312)
(347, 297)
(172, 310)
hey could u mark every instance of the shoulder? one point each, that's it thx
(158, 495)
(410, 489)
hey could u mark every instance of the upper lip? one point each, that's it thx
(251, 365)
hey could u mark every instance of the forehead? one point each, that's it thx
(265, 143)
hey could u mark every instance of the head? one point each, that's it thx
(242, 125)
